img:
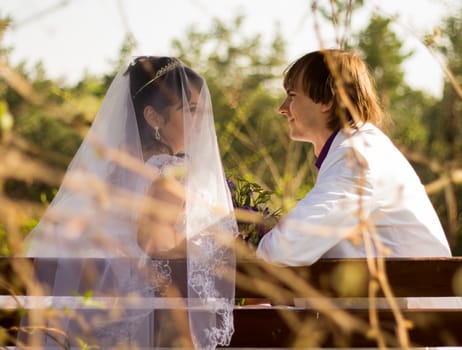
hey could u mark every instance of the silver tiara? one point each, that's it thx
(164, 70)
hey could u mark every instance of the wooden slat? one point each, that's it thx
(408, 277)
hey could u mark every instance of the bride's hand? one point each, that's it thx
(177, 252)
(157, 229)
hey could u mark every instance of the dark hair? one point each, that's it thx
(160, 93)
(339, 76)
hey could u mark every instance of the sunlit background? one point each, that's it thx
(59, 57)
(75, 36)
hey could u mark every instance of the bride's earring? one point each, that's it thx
(157, 133)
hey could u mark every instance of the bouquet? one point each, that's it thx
(251, 203)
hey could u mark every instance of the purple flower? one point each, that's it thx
(248, 207)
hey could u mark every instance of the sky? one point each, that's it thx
(71, 37)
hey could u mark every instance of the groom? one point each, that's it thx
(366, 193)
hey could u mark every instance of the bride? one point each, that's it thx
(146, 185)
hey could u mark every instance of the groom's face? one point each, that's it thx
(304, 116)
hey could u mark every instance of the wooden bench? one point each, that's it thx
(427, 294)
(327, 304)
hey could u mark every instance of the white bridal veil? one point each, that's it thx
(123, 294)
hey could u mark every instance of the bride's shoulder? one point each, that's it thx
(161, 160)
(166, 163)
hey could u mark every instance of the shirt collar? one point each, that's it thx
(325, 150)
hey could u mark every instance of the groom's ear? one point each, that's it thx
(326, 107)
(153, 118)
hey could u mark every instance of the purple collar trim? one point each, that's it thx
(325, 150)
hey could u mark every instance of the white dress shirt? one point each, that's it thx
(363, 175)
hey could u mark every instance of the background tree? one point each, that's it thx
(42, 123)
(444, 125)
(383, 50)
(244, 77)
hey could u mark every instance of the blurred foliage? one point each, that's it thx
(444, 123)
(337, 14)
(244, 77)
(382, 49)
(445, 139)
(243, 73)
